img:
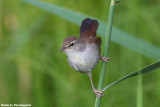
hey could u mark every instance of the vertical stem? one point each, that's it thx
(106, 50)
(139, 91)
(139, 84)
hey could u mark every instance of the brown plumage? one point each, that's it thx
(88, 31)
(88, 28)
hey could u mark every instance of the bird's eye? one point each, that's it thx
(72, 44)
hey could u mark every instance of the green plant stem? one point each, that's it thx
(106, 50)
(139, 91)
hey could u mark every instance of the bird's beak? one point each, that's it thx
(62, 49)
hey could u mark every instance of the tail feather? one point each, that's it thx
(88, 28)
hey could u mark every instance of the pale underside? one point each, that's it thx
(84, 61)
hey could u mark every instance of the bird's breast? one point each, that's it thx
(84, 61)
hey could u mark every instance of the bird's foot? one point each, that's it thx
(104, 59)
(98, 93)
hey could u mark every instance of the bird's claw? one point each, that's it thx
(98, 93)
(104, 59)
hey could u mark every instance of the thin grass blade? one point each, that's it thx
(118, 36)
(144, 70)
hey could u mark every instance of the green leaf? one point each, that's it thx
(144, 70)
(118, 36)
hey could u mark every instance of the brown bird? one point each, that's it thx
(84, 53)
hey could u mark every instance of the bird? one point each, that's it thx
(84, 53)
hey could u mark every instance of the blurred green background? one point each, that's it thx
(32, 71)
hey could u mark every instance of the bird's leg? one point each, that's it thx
(97, 92)
(104, 59)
